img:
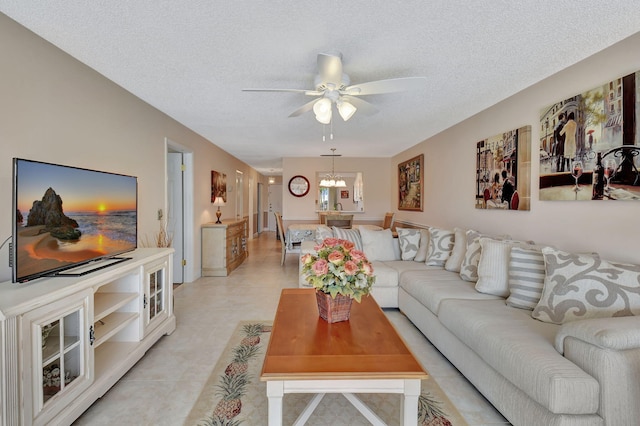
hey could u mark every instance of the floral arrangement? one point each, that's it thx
(338, 268)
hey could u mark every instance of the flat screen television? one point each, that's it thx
(64, 217)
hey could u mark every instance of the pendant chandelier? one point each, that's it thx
(332, 180)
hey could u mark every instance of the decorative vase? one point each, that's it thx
(333, 310)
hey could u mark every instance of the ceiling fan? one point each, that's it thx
(332, 86)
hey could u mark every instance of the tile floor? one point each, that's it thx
(161, 388)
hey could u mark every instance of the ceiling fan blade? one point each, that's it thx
(306, 92)
(330, 68)
(304, 108)
(363, 106)
(385, 86)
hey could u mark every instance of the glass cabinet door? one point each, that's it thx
(60, 355)
(155, 295)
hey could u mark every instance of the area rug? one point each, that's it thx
(234, 395)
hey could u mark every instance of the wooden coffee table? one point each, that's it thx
(363, 355)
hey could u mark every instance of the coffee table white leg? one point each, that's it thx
(409, 406)
(275, 392)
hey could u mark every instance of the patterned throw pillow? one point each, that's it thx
(526, 278)
(440, 246)
(421, 256)
(322, 232)
(469, 266)
(409, 240)
(459, 249)
(582, 286)
(352, 235)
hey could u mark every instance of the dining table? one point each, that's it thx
(299, 232)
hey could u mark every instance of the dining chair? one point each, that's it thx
(339, 220)
(281, 234)
(388, 220)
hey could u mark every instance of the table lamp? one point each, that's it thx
(218, 202)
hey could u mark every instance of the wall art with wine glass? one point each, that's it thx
(503, 171)
(590, 144)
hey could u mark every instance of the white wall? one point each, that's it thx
(610, 228)
(55, 109)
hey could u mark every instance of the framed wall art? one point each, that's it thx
(503, 171)
(590, 144)
(218, 186)
(411, 184)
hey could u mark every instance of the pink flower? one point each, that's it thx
(335, 257)
(331, 242)
(367, 268)
(357, 255)
(348, 245)
(350, 267)
(307, 258)
(321, 267)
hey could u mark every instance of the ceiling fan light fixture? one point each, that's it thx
(324, 118)
(346, 109)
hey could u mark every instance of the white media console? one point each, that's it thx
(66, 340)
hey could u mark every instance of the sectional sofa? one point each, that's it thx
(548, 337)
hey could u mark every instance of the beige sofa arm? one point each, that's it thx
(619, 333)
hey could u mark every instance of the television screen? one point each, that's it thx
(65, 216)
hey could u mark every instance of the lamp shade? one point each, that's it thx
(346, 109)
(219, 201)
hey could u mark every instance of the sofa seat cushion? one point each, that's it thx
(522, 350)
(431, 286)
(386, 276)
(401, 266)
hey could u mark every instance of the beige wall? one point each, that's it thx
(57, 110)
(610, 228)
(377, 186)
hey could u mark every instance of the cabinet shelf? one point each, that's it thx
(108, 326)
(110, 354)
(106, 303)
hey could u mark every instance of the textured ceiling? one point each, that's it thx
(192, 58)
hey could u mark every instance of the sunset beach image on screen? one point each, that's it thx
(66, 215)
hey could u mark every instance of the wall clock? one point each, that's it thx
(298, 186)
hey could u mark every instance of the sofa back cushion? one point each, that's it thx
(584, 286)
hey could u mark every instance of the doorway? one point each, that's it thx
(179, 209)
(275, 204)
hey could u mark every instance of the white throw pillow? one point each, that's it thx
(459, 249)
(421, 256)
(440, 246)
(584, 286)
(526, 278)
(377, 245)
(409, 240)
(493, 267)
(352, 235)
